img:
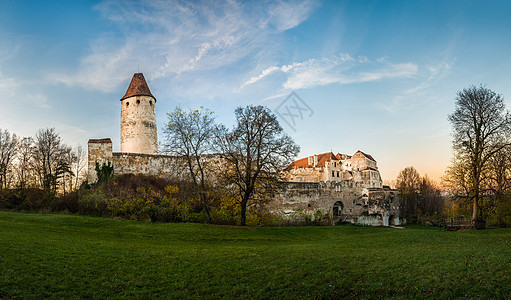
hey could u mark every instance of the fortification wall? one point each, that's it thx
(354, 203)
(100, 151)
(347, 201)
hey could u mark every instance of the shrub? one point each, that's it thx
(260, 218)
(223, 217)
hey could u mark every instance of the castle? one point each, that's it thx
(139, 140)
(360, 167)
(349, 188)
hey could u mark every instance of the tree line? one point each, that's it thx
(42, 162)
(477, 183)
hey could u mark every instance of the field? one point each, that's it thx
(70, 256)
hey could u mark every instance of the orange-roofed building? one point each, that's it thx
(326, 167)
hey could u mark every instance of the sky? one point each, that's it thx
(341, 76)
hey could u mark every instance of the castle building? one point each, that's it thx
(360, 167)
(349, 188)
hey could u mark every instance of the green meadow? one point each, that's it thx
(72, 256)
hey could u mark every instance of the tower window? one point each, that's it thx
(138, 101)
(127, 104)
(150, 102)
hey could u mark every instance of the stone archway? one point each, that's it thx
(337, 209)
(392, 220)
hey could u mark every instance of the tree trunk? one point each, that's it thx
(205, 206)
(243, 215)
(474, 212)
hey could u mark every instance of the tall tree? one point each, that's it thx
(8, 147)
(190, 136)
(48, 154)
(431, 201)
(408, 183)
(481, 128)
(79, 164)
(256, 150)
(24, 158)
(64, 167)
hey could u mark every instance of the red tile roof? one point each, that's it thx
(138, 87)
(304, 162)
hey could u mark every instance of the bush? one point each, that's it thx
(260, 218)
(222, 217)
(135, 197)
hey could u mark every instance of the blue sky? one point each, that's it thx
(379, 76)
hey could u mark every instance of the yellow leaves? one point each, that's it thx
(170, 189)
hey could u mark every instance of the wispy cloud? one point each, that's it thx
(170, 39)
(427, 77)
(8, 85)
(39, 100)
(341, 69)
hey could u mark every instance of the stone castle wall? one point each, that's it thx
(354, 203)
(100, 151)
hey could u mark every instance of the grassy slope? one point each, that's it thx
(60, 255)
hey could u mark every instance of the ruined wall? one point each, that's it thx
(162, 166)
(99, 150)
(138, 125)
(131, 163)
(355, 203)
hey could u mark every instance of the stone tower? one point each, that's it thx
(138, 118)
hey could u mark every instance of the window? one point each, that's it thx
(335, 165)
(138, 101)
(333, 173)
(127, 104)
(337, 173)
(150, 102)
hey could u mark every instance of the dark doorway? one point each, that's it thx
(392, 220)
(337, 210)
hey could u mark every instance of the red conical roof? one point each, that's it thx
(138, 87)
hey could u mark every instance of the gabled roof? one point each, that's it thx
(304, 162)
(138, 87)
(340, 156)
(366, 155)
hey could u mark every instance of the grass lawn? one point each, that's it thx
(70, 256)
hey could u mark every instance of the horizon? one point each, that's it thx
(375, 76)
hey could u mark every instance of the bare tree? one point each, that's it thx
(24, 161)
(499, 183)
(481, 128)
(408, 183)
(256, 150)
(431, 201)
(64, 164)
(8, 147)
(79, 165)
(189, 136)
(49, 157)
